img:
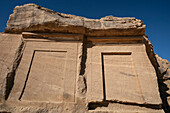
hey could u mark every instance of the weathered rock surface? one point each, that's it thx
(70, 64)
(163, 67)
(31, 17)
(9, 48)
(165, 71)
(160, 66)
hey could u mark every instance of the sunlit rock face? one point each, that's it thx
(62, 63)
(31, 17)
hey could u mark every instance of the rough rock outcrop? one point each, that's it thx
(55, 62)
(163, 67)
(31, 17)
(165, 83)
(10, 48)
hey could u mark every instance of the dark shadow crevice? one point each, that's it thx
(9, 81)
(95, 105)
(84, 56)
(103, 77)
(27, 76)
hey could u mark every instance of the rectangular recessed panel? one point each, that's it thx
(120, 81)
(45, 79)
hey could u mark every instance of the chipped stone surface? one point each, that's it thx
(163, 67)
(165, 71)
(167, 74)
(34, 18)
(163, 64)
(9, 44)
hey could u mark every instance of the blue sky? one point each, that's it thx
(154, 13)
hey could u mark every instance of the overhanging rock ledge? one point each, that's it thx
(34, 18)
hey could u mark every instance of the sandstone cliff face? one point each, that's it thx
(55, 62)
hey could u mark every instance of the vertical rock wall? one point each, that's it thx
(71, 64)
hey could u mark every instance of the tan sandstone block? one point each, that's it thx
(47, 72)
(121, 74)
